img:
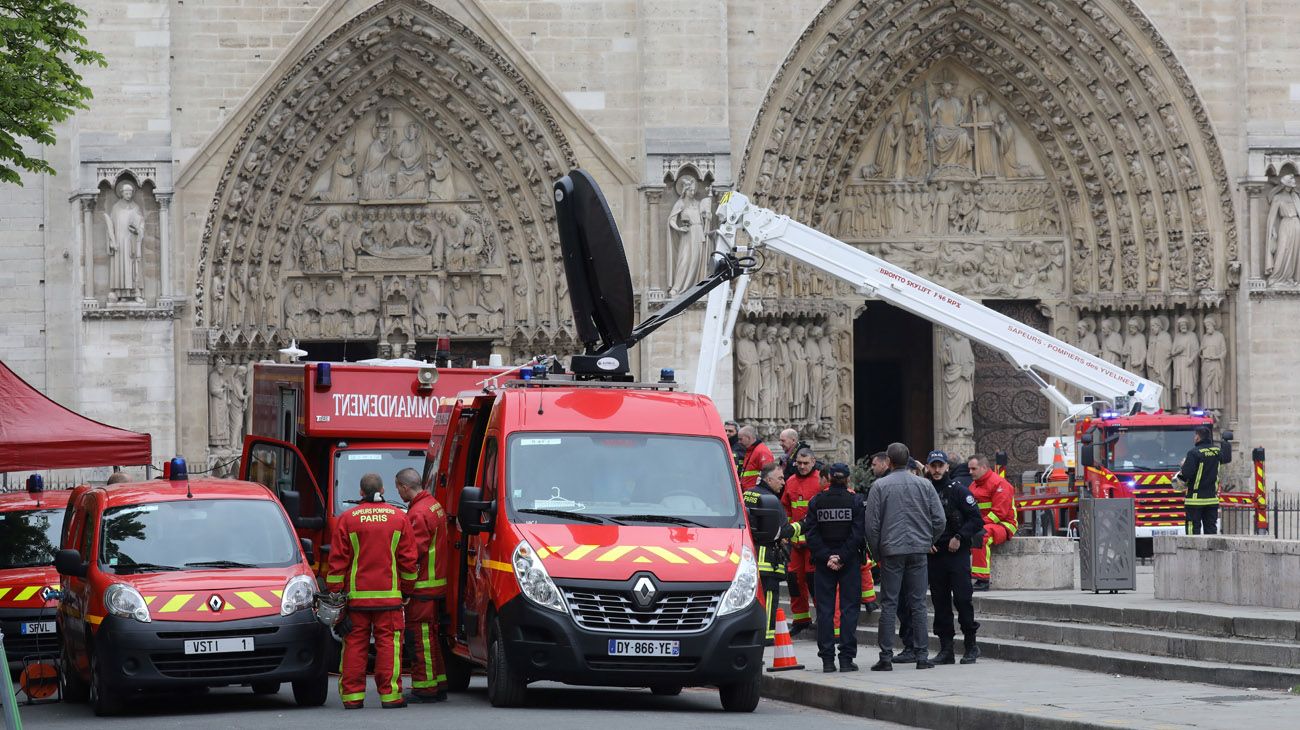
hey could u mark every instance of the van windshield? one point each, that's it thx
(29, 539)
(196, 533)
(352, 464)
(1151, 449)
(621, 478)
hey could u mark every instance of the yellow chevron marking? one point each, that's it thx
(665, 553)
(277, 593)
(641, 559)
(548, 550)
(203, 607)
(176, 603)
(253, 599)
(728, 555)
(3, 591)
(26, 593)
(615, 553)
(579, 552)
(148, 600)
(699, 555)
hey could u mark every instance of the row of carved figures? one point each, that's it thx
(787, 371)
(1170, 349)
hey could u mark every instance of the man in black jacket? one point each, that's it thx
(1200, 477)
(772, 557)
(834, 526)
(950, 562)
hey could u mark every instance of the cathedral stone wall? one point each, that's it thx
(648, 94)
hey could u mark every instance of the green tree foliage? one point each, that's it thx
(40, 46)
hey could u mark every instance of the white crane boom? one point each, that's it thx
(1037, 354)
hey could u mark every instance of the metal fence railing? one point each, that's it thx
(1283, 517)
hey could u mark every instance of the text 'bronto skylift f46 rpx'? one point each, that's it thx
(1126, 445)
(602, 538)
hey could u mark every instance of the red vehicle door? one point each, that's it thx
(281, 467)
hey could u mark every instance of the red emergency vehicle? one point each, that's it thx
(318, 427)
(29, 584)
(170, 584)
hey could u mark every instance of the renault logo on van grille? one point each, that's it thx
(215, 603)
(643, 592)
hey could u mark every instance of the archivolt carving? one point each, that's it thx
(1110, 120)
(384, 188)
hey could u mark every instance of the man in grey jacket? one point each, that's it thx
(903, 518)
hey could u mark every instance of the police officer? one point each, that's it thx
(834, 528)
(772, 556)
(1200, 475)
(950, 561)
(373, 560)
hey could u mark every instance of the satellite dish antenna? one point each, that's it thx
(293, 352)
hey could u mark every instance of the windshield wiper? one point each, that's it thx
(219, 564)
(144, 568)
(671, 519)
(563, 513)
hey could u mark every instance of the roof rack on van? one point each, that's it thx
(569, 382)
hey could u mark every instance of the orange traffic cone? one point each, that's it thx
(1058, 466)
(784, 660)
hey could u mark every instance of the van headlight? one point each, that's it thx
(122, 600)
(534, 582)
(298, 594)
(744, 587)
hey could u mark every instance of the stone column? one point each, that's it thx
(87, 246)
(164, 245)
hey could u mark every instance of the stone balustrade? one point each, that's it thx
(1034, 564)
(1243, 571)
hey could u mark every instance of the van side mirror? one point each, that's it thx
(308, 549)
(292, 501)
(68, 562)
(471, 511)
(1085, 451)
(765, 524)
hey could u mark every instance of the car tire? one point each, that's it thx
(75, 688)
(506, 687)
(313, 691)
(666, 690)
(103, 699)
(742, 696)
(459, 673)
(265, 688)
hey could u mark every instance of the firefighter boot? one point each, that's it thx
(972, 651)
(886, 663)
(906, 656)
(945, 655)
(828, 665)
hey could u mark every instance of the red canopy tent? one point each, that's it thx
(37, 433)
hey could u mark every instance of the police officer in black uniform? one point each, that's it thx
(950, 561)
(1200, 475)
(763, 502)
(835, 530)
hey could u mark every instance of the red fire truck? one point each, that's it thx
(319, 426)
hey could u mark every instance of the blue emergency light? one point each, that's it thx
(178, 471)
(35, 484)
(666, 375)
(539, 372)
(526, 374)
(323, 376)
(1198, 413)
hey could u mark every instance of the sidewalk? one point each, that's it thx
(993, 694)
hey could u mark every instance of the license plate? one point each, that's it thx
(629, 647)
(1167, 531)
(219, 646)
(37, 627)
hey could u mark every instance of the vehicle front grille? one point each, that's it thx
(615, 611)
(218, 633)
(19, 646)
(642, 664)
(218, 666)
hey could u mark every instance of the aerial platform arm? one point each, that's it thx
(1035, 353)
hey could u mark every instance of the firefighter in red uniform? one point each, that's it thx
(429, 530)
(373, 561)
(800, 487)
(996, 501)
(757, 455)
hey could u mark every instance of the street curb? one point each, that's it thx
(889, 705)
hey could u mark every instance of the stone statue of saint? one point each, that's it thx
(296, 307)
(1006, 135)
(891, 149)
(957, 360)
(412, 168)
(686, 221)
(1186, 348)
(376, 179)
(364, 308)
(952, 143)
(798, 373)
(987, 163)
(816, 361)
(492, 317)
(238, 403)
(460, 300)
(1160, 358)
(1283, 247)
(767, 371)
(1087, 337)
(1214, 355)
(830, 372)
(1135, 346)
(125, 223)
(218, 405)
(1112, 342)
(343, 181)
(748, 383)
(781, 364)
(426, 306)
(442, 184)
(916, 147)
(331, 305)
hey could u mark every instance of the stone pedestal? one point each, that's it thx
(1034, 564)
(1242, 571)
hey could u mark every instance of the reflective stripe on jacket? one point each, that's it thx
(372, 556)
(756, 458)
(996, 500)
(429, 530)
(799, 491)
